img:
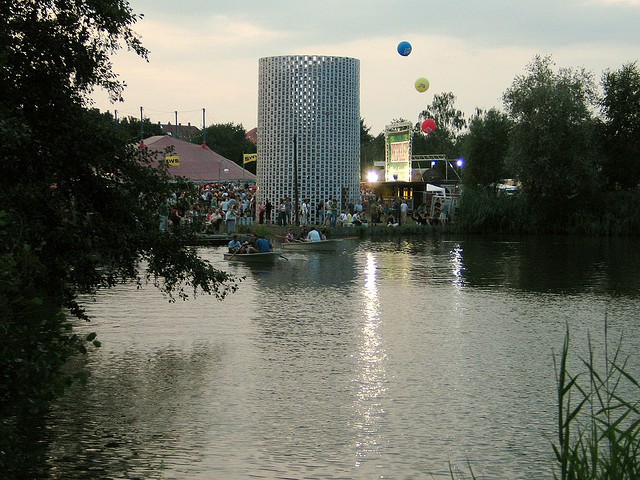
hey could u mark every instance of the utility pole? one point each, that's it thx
(204, 130)
(295, 180)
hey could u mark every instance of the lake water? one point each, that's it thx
(394, 359)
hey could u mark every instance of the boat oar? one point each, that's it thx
(234, 253)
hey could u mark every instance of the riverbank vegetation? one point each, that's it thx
(575, 153)
(598, 418)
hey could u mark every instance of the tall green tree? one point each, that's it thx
(553, 145)
(621, 134)
(78, 200)
(450, 122)
(227, 139)
(131, 126)
(485, 148)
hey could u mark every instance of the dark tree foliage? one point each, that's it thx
(78, 200)
(553, 143)
(621, 109)
(131, 127)
(229, 140)
(485, 149)
(449, 124)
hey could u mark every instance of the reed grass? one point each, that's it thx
(598, 423)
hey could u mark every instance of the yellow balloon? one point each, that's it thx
(422, 84)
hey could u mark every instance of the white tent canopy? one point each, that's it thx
(435, 189)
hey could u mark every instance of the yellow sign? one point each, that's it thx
(249, 157)
(172, 160)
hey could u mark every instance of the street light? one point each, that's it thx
(372, 176)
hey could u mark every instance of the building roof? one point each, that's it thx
(252, 135)
(198, 163)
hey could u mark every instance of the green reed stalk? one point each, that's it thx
(599, 428)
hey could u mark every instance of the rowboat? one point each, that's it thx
(321, 246)
(264, 257)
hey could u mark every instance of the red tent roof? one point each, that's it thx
(252, 135)
(197, 162)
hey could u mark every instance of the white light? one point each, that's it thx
(372, 176)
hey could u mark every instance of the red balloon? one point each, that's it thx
(428, 126)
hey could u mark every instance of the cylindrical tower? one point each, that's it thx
(309, 123)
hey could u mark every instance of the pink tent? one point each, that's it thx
(196, 162)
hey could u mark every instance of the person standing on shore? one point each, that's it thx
(334, 212)
(304, 213)
(230, 220)
(287, 211)
(260, 213)
(396, 211)
(268, 207)
(320, 212)
(404, 209)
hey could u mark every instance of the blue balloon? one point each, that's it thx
(404, 48)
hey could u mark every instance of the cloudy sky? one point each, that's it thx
(204, 53)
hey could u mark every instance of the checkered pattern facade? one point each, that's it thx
(310, 105)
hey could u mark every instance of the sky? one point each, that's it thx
(204, 53)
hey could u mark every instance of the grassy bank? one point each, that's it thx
(377, 231)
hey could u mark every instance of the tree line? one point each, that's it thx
(573, 149)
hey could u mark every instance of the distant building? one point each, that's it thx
(183, 132)
(195, 162)
(252, 135)
(309, 105)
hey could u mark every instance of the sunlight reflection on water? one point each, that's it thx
(386, 360)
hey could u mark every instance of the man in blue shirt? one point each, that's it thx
(260, 244)
(234, 245)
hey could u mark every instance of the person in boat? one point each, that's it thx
(289, 238)
(313, 236)
(234, 245)
(259, 245)
(303, 234)
(323, 236)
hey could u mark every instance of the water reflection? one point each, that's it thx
(370, 369)
(566, 265)
(457, 265)
(387, 359)
(147, 403)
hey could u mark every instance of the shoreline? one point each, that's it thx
(277, 232)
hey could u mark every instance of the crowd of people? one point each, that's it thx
(220, 207)
(210, 207)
